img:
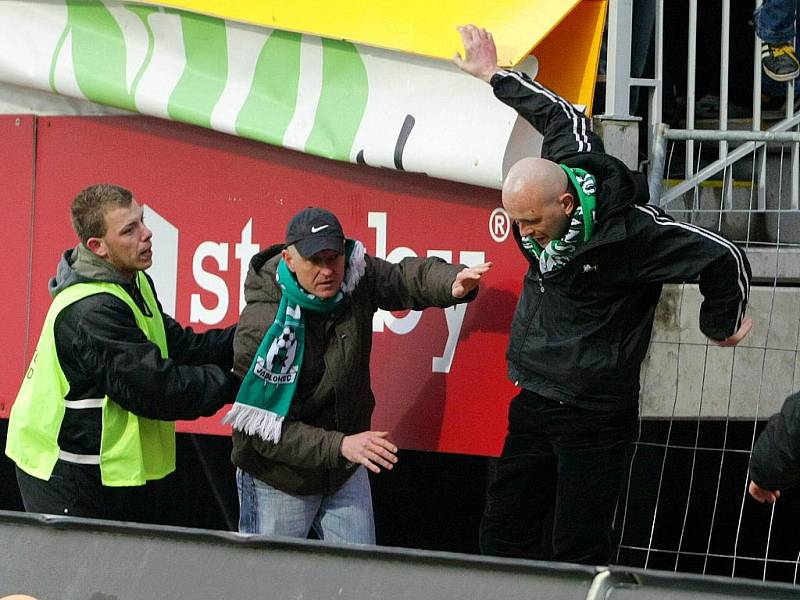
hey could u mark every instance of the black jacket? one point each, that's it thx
(579, 334)
(102, 351)
(775, 462)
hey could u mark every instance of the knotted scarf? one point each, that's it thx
(558, 253)
(267, 390)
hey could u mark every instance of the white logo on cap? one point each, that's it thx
(316, 229)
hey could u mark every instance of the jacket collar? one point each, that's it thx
(610, 230)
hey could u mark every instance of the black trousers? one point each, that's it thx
(557, 481)
(76, 490)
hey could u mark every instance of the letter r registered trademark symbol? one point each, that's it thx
(499, 224)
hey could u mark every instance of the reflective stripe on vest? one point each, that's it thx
(85, 403)
(81, 459)
(133, 449)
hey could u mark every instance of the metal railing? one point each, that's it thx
(620, 83)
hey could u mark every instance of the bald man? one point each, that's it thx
(598, 255)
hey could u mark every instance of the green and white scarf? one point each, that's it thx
(558, 253)
(270, 384)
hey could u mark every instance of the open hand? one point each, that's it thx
(468, 279)
(371, 449)
(480, 53)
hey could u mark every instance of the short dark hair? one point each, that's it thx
(90, 206)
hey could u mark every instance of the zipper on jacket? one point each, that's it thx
(540, 280)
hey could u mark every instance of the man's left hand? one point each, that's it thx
(468, 279)
(747, 325)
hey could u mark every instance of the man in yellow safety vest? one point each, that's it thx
(111, 372)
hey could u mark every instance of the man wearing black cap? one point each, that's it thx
(301, 422)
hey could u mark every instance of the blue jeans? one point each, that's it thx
(774, 21)
(557, 482)
(344, 517)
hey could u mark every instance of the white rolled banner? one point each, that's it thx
(325, 97)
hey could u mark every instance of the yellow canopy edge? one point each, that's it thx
(414, 26)
(569, 56)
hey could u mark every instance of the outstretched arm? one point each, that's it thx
(130, 369)
(418, 283)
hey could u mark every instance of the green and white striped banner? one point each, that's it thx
(325, 97)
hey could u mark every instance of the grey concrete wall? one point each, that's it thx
(63, 558)
(686, 376)
(68, 558)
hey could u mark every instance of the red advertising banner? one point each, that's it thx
(214, 200)
(17, 137)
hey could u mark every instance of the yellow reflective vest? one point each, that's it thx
(133, 449)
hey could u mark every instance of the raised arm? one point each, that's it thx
(565, 129)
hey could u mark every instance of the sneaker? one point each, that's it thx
(780, 61)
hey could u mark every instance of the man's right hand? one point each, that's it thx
(480, 53)
(371, 449)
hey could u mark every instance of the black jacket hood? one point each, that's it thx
(618, 187)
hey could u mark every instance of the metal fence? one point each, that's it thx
(686, 507)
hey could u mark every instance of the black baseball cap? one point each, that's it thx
(313, 230)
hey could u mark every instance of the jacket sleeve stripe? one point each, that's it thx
(743, 279)
(578, 120)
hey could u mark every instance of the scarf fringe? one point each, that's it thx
(255, 421)
(356, 268)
